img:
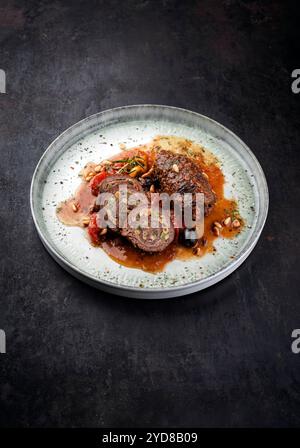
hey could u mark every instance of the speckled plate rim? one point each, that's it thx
(156, 293)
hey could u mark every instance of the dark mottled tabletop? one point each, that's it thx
(80, 357)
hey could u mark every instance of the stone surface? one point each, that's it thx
(79, 357)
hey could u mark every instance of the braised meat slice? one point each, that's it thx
(177, 173)
(144, 237)
(111, 184)
(149, 239)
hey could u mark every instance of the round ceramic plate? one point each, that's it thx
(98, 137)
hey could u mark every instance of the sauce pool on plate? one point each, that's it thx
(223, 221)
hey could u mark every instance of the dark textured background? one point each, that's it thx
(79, 357)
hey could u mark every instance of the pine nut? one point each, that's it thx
(216, 231)
(227, 221)
(86, 221)
(217, 224)
(236, 223)
(197, 251)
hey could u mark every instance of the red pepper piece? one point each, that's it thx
(96, 181)
(93, 229)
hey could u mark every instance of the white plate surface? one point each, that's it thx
(98, 137)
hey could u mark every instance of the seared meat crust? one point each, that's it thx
(177, 173)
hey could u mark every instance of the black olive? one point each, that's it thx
(146, 182)
(189, 237)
